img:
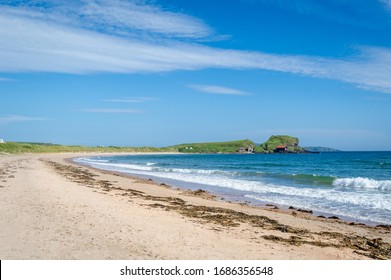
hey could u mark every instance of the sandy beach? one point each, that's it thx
(52, 208)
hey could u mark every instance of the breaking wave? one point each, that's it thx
(356, 197)
(363, 183)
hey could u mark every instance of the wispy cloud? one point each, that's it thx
(121, 17)
(57, 42)
(112, 111)
(213, 89)
(18, 118)
(2, 79)
(126, 16)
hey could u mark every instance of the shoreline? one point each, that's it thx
(264, 204)
(105, 215)
(231, 199)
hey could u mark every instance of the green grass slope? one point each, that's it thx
(214, 147)
(19, 148)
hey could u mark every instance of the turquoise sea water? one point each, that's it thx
(352, 185)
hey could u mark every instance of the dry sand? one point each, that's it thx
(54, 209)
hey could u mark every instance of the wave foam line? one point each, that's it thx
(357, 213)
(149, 166)
(376, 200)
(363, 183)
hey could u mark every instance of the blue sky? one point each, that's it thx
(158, 73)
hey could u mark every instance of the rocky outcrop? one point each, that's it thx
(246, 150)
(281, 144)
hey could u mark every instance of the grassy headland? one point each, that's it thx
(275, 144)
(284, 143)
(215, 147)
(290, 144)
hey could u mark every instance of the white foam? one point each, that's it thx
(115, 166)
(191, 171)
(149, 166)
(363, 183)
(90, 160)
(322, 206)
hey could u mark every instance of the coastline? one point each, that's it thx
(53, 208)
(263, 180)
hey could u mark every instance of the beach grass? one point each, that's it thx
(26, 147)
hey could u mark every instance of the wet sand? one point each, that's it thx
(54, 209)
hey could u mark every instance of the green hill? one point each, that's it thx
(245, 146)
(281, 143)
(278, 143)
(241, 146)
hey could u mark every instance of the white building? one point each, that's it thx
(2, 141)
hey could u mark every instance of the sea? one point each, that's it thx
(354, 186)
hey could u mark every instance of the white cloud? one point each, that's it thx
(112, 111)
(122, 17)
(33, 42)
(125, 15)
(17, 118)
(213, 89)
